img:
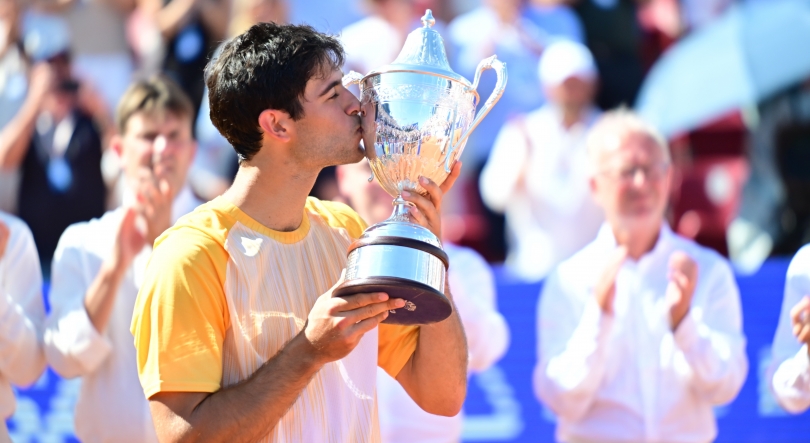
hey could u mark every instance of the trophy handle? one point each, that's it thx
(500, 70)
(352, 78)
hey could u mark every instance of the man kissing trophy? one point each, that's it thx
(417, 115)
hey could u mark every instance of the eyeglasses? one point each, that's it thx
(627, 175)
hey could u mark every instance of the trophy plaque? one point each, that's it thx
(417, 115)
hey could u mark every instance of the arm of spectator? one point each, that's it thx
(572, 339)
(73, 346)
(711, 337)
(505, 168)
(21, 308)
(475, 298)
(171, 17)
(216, 16)
(789, 371)
(16, 135)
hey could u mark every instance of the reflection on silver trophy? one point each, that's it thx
(417, 116)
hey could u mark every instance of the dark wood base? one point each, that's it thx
(428, 305)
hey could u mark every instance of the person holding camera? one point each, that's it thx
(50, 150)
(98, 266)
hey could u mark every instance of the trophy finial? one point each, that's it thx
(428, 20)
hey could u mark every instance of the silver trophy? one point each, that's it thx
(417, 115)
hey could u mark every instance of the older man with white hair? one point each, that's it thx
(538, 170)
(639, 332)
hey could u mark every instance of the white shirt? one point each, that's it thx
(21, 313)
(538, 175)
(627, 376)
(473, 287)
(111, 406)
(789, 372)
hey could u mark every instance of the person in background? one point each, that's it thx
(389, 22)
(216, 163)
(789, 372)
(613, 33)
(497, 27)
(192, 30)
(538, 169)
(99, 265)
(402, 420)
(22, 313)
(639, 333)
(53, 142)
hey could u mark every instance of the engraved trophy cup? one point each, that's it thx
(417, 115)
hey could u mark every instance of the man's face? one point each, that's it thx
(161, 142)
(329, 133)
(574, 92)
(367, 198)
(632, 181)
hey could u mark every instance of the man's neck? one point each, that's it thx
(638, 240)
(273, 195)
(572, 115)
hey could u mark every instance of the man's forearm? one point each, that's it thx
(100, 297)
(436, 375)
(16, 135)
(248, 410)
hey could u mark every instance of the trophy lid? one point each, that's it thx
(423, 53)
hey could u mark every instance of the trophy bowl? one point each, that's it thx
(417, 115)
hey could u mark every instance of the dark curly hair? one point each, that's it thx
(266, 67)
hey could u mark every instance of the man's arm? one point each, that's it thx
(713, 343)
(251, 409)
(16, 134)
(436, 374)
(789, 371)
(573, 339)
(21, 307)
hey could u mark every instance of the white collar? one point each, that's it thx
(607, 241)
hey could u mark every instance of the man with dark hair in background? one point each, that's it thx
(237, 333)
(99, 265)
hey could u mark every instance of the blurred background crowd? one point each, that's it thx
(710, 74)
(726, 82)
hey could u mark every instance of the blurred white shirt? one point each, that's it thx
(538, 174)
(627, 376)
(22, 313)
(473, 287)
(789, 372)
(111, 406)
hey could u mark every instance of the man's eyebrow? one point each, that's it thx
(329, 87)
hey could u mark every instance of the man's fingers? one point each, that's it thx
(355, 301)
(368, 324)
(802, 308)
(425, 207)
(435, 193)
(803, 334)
(368, 311)
(451, 179)
(418, 216)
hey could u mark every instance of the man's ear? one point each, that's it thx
(117, 144)
(276, 124)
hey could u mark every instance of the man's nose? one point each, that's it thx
(354, 106)
(640, 177)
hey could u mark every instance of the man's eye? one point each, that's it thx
(334, 95)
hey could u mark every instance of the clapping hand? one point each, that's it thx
(605, 289)
(800, 318)
(683, 273)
